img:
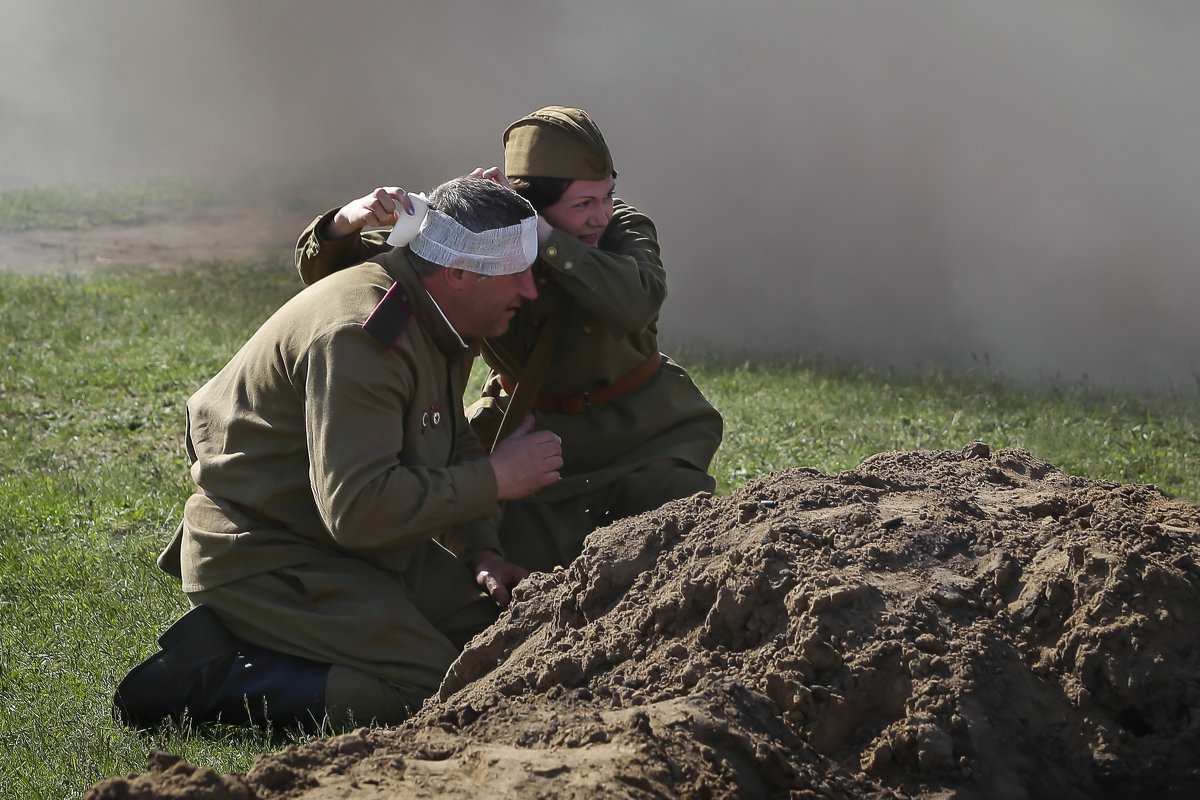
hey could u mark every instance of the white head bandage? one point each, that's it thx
(440, 239)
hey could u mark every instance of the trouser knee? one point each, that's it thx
(355, 697)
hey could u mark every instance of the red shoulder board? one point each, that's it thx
(390, 317)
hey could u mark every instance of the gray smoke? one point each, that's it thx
(893, 184)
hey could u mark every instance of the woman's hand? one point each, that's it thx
(378, 209)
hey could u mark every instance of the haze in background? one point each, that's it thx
(894, 184)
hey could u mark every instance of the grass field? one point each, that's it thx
(95, 373)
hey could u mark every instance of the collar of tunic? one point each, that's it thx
(426, 310)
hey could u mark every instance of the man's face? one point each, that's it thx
(491, 301)
(584, 209)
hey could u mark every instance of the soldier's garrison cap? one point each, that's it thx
(556, 142)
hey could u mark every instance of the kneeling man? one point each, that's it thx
(345, 516)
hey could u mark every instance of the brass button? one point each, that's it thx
(587, 328)
(552, 251)
(568, 265)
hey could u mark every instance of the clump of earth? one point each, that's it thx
(927, 625)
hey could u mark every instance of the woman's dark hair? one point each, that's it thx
(540, 192)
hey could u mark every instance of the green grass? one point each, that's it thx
(831, 417)
(92, 478)
(95, 373)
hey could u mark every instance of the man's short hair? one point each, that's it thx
(479, 204)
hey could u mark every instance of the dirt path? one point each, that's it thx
(212, 233)
(928, 625)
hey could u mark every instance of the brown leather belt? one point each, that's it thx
(578, 403)
(247, 510)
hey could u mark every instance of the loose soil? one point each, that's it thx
(928, 625)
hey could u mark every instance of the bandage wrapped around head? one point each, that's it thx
(556, 142)
(438, 238)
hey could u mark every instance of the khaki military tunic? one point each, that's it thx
(341, 484)
(630, 454)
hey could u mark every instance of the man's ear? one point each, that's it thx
(458, 278)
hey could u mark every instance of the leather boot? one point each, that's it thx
(265, 686)
(205, 674)
(195, 650)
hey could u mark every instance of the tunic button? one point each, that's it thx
(568, 265)
(552, 251)
(587, 328)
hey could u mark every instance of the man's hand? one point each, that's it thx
(380, 208)
(525, 461)
(497, 576)
(494, 174)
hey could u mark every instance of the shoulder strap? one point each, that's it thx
(390, 317)
(532, 376)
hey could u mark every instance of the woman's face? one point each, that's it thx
(584, 209)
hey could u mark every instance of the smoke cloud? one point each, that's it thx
(892, 184)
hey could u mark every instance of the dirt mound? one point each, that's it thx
(928, 625)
